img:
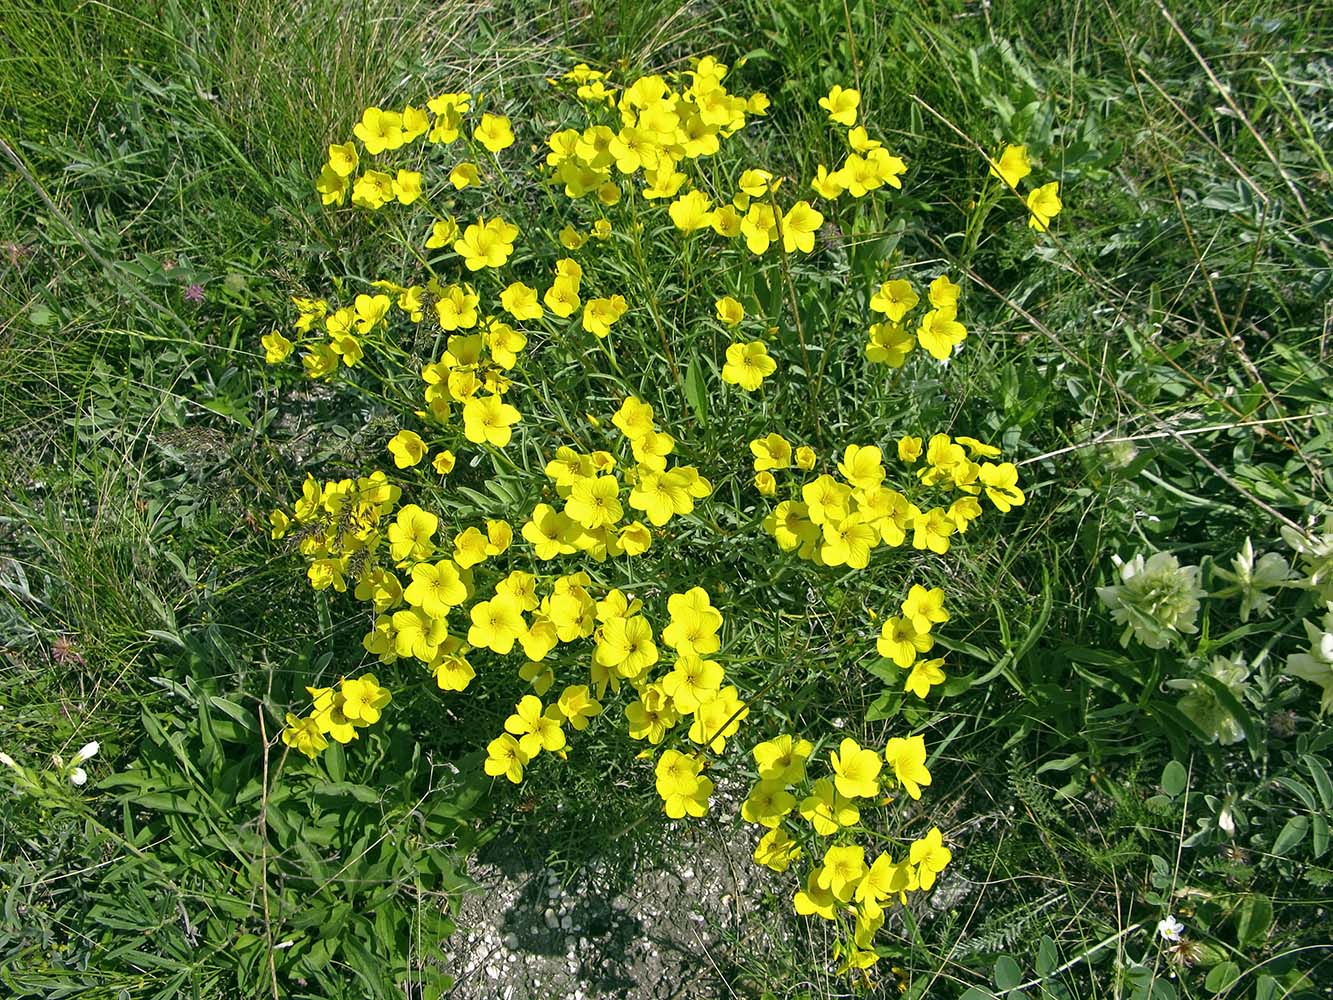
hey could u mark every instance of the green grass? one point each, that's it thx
(151, 147)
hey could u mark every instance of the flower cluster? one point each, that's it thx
(1043, 202)
(358, 702)
(338, 528)
(1156, 600)
(648, 132)
(938, 331)
(867, 165)
(846, 886)
(905, 636)
(591, 487)
(840, 522)
(381, 131)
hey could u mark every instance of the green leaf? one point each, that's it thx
(1253, 920)
(1047, 956)
(1007, 973)
(1322, 782)
(1291, 836)
(1298, 789)
(1319, 840)
(346, 789)
(695, 391)
(1174, 778)
(1221, 977)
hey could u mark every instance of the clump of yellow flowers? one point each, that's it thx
(820, 819)
(543, 599)
(839, 520)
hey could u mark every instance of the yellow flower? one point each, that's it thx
(765, 484)
(782, 759)
(841, 105)
(930, 856)
(815, 901)
(1001, 482)
(464, 175)
(909, 449)
(729, 311)
(799, 226)
(717, 719)
(443, 463)
(1012, 166)
(304, 735)
(562, 298)
(692, 681)
(679, 783)
(487, 419)
(537, 730)
(827, 185)
(826, 810)
(372, 190)
(691, 211)
(776, 850)
(343, 159)
(407, 449)
(594, 502)
(486, 244)
(924, 675)
(1044, 204)
(494, 132)
(520, 301)
(277, 348)
(410, 535)
(578, 706)
(442, 233)
(748, 365)
(496, 625)
(407, 186)
(379, 130)
(504, 755)
(436, 588)
(767, 803)
(907, 756)
(332, 188)
(860, 140)
(600, 314)
(805, 458)
(895, 299)
(889, 344)
(944, 293)
(456, 307)
(856, 770)
(900, 642)
(842, 871)
(924, 608)
(940, 332)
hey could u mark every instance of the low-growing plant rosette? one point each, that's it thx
(539, 601)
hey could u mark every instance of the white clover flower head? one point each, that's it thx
(1203, 707)
(1316, 665)
(1251, 578)
(1315, 547)
(1169, 929)
(1156, 600)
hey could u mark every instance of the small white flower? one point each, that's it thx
(87, 752)
(78, 777)
(1169, 929)
(8, 761)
